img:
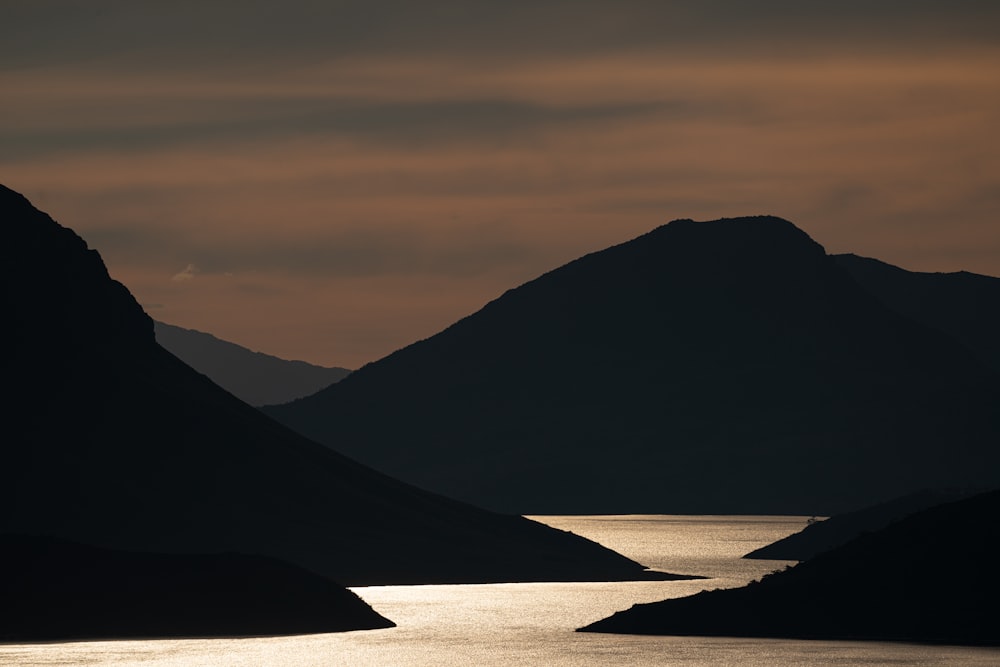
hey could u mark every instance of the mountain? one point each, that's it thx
(822, 536)
(926, 578)
(729, 366)
(253, 377)
(111, 441)
(55, 590)
(962, 304)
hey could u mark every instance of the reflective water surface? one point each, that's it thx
(532, 624)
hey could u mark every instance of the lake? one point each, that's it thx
(532, 624)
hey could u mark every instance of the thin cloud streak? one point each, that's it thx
(260, 35)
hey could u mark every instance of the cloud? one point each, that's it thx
(515, 168)
(260, 35)
(186, 274)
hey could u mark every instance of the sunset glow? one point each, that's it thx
(335, 180)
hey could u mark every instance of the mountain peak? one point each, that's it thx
(63, 290)
(704, 367)
(762, 220)
(748, 260)
(749, 233)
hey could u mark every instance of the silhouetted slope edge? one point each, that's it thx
(927, 578)
(842, 528)
(728, 366)
(57, 590)
(962, 304)
(114, 442)
(253, 377)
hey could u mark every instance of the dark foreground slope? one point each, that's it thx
(965, 305)
(822, 536)
(927, 578)
(253, 377)
(705, 367)
(57, 590)
(110, 440)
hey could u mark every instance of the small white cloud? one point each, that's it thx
(189, 272)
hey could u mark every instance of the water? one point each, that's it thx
(532, 624)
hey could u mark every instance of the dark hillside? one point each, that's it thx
(926, 578)
(111, 441)
(962, 304)
(705, 367)
(54, 590)
(822, 536)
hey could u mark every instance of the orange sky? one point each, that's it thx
(333, 180)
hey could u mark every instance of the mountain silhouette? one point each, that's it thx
(253, 377)
(821, 536)
(729, 366)
(109, 440)
(962, 304)
(926, 578)
(58, 590)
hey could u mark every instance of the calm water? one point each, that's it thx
(532, 624)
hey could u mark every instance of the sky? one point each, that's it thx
(331, 181)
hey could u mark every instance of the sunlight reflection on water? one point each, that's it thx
(532, 624)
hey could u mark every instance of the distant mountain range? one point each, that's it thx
(729, 366)
(925, 578)
(111, 441)
(253, 377)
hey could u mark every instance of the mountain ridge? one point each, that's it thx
(118, 444)
(735, 344)
(959, 303)
(253, 377)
